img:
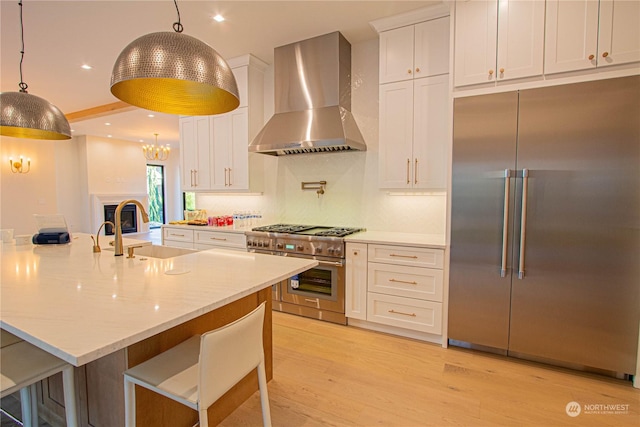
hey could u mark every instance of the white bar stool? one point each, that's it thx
(198, 371)
(22, 366)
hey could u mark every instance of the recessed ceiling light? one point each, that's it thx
(108, 136)
(107, 124)
(150, 115)
(218, 18)
(73, 130)
(141, 140)
(86, 67)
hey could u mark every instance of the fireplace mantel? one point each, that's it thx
(98, 201)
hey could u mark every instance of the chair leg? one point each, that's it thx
(129, 403)
(26, 405)
(204, 417)
(264, 395)
(69, 386)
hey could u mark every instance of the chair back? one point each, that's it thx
(228, 354)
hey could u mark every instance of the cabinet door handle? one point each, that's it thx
(191, 172)
(591, 57)
(217, 238)
(408, 166)
(605, 54)
(501, 70)
(195, 176)
(409, 71)
(523, 220)
(418, 70)
(415, 173)
(404, 314)
(230, 177)
(177, 235)
(404, 256)
(491, 72)
(505, 222)
(225, 177)
(403, 281)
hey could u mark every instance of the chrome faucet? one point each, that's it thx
(118, 228)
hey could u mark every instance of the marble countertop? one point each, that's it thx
(436, 241)
(80, 305)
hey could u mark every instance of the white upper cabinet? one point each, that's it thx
(214, 149)
(195, 152)
(415, 51)
(498, 40)
(414, 124)
(584, 34)
(230, 139)
(414, 102)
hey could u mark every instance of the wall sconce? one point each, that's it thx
(18, 166)
(155, 152)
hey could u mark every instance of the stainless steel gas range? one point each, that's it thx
(318, 292)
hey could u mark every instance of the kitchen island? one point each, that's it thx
(104, 314)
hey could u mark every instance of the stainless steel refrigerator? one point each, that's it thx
(545, 224)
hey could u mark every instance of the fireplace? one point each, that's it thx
(128, 218)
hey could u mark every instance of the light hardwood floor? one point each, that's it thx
(332, 375)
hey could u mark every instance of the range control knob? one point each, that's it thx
(331, 250)
(338, 251)
(300, 248)
(279, 246)
(260, 244)
(319, 250)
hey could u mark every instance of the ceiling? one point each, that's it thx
(60, 36)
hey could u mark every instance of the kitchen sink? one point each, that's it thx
(157, 251)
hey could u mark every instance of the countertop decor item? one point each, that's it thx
(23, 115)
(174, 73)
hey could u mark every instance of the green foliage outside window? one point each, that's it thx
(155, 189)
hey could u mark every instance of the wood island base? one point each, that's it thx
(100, 384)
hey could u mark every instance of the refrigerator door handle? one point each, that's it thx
(523, 221)
(505, 224)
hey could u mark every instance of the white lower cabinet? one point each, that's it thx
(409, 313)
(183, 237)
(356, 281)
(403, 288)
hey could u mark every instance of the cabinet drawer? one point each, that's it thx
(178, 234)
(217, 238)
(179, 244)
(423, 316)
(412, 282)
(401, 255)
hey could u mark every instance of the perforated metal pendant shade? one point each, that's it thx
(173, 73)
(28, 116)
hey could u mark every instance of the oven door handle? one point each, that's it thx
(332, 264)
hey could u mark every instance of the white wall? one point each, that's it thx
(352, 197)
(26, 194)
(65, 174)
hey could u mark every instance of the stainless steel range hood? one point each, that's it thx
(312, 100)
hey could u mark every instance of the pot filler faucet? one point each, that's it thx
(118, 228)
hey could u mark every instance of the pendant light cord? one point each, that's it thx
(177, 26)
(23, 86)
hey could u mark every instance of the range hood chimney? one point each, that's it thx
(312, 100)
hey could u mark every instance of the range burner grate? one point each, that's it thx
(338, 232)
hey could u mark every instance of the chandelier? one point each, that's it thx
(155, 151)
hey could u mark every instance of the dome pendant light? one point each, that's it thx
(174, 73)
(28, 116)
